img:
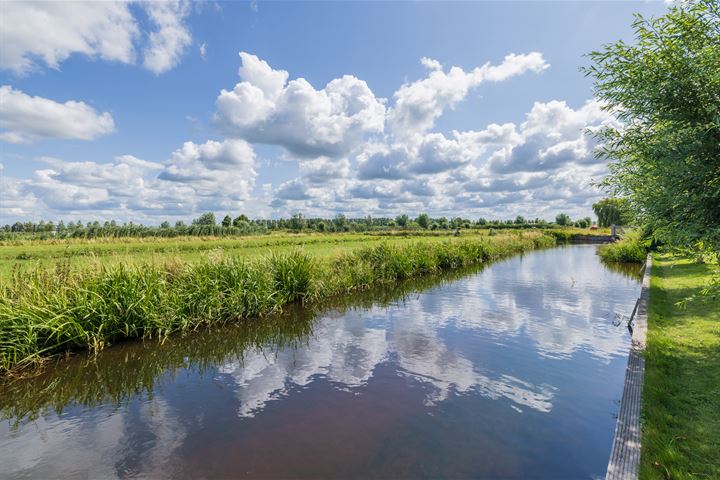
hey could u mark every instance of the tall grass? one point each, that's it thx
(631, 249)
(45, 312)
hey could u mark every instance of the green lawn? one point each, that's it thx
(681, 398)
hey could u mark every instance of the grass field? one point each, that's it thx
(27, 255)
(681, 398)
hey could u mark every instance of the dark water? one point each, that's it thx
(513, 371)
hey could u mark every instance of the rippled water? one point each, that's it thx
(513, 371)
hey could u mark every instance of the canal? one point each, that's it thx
(513, 370)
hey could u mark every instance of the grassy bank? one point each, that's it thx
(631, 249)
(45, 312)
(681, 398)
(120, 373)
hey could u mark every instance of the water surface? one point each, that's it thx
(511, 371)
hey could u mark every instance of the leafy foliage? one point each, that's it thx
(613, 211)
(665, 91)
(563, 219)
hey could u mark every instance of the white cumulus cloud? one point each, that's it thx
(211, 176)
(544, 164)
(172, 37)
(52, 31)
(46, 33)
(420, 103)
(226, 167)
(24, 118)
(265, 108)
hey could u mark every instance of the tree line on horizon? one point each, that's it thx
(208, 224)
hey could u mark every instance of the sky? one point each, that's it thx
(158, 111)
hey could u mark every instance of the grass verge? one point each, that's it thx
(45, 312)
(681, 397)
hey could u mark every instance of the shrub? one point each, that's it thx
(631, 249)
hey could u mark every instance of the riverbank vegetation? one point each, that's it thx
(681, 404)
(664, 150)
(49, 311)
(633, 248)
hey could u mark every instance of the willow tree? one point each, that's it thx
(664, 88)
(612, 211)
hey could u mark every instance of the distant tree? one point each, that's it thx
(321, 227)
(613, 211)
(482, 221)
(563, 219)
(423, 220)
(582, 223)
(227, 221)
(207, 218)
(520, 220)
(297, 222)
(243, 225)
(456, 222)
(179, 224)
(165, 224)
(340, 222)
(402, 220)
(240, 218)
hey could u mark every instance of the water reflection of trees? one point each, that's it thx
(630, 270)
(121, 372)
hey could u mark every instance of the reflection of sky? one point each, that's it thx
(567, 308)
(488, 335)
(94, 446)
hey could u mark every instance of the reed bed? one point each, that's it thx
(45, 312)
(631, 249)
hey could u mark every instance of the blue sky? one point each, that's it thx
(139, 111)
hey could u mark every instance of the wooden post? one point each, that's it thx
(612, 232)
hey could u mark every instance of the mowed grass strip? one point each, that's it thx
(681, 397)
(49, 311)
